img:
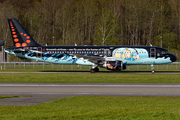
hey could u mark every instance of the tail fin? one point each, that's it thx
(20, 36)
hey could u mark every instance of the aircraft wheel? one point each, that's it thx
(92, 71)
(97, 69)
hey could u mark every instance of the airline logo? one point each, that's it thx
(16, 40)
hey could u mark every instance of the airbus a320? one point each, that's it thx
(109, 57)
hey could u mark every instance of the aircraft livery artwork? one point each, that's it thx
(109, 57)
(130, 54)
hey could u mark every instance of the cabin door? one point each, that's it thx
(107, 52)
(153, 52)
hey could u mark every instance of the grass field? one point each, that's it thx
(92, 107)
(98, 107)
(88, 78)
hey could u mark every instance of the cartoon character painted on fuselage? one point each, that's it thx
(128, 55)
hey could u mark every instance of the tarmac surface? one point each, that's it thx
(36, 93)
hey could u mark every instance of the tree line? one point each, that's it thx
(95, 22)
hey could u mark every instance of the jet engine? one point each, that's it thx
(112, 65)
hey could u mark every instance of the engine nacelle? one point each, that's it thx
(112, 65)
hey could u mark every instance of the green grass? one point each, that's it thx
(88, 78)
(98, 107)
(1, 97)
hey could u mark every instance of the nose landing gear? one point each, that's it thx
(152, 69)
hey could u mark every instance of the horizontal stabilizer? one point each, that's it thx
(1, 43)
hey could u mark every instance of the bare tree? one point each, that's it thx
(105, 27)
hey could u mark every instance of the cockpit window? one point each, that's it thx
(163, 52)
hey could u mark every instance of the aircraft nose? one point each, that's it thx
(173, 58)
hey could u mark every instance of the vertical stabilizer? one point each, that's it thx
(20, 36)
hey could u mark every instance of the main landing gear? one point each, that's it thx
(152, 69)
(94, 68)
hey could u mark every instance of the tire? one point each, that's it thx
(96, 69)
(92, 71)
(153, 71)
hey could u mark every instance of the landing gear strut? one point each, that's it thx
(94, 68)
(152, 69)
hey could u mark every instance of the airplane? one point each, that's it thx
(110, 57)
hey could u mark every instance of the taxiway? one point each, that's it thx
(91, 89)
(37, 93)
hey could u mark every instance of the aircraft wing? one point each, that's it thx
(93, 59)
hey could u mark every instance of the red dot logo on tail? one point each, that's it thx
(13, 32)
(28, 41)
(16, 40)
(18, 44)
(24, 44)
(11, 23)
(15, 36)
(27, 37)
